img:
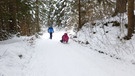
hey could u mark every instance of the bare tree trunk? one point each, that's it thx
(120, 7)
(130, 18)
(12, 10)
(37, 17)
(134, 22)
(48, 21)
(79, 10)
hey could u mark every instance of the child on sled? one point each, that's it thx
(64, 38)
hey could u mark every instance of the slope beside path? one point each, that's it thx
(52, 58)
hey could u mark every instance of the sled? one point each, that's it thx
(63, 42)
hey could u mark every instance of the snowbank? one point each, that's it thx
(15, 54)
(104, 37)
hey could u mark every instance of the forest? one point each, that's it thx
(27, 17)
(87, 38)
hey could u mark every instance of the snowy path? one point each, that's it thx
(53, 58)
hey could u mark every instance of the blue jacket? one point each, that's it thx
(50, 30)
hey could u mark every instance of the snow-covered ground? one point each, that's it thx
(108, 39)
(47, 57)
(15, 54)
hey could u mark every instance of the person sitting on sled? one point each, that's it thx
(65, 38)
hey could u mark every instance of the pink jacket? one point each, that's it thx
(65, 37)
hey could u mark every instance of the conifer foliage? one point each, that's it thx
(25, 17)
(17, 17)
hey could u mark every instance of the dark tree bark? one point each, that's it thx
(79, 11)
(120, 7)
(13, 23)
(130, 18)
(37, 17)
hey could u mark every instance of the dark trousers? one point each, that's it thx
(50, 35)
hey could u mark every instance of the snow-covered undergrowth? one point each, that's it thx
(104, 37)
(15, 54)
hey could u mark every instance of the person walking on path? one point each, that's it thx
(50, 31)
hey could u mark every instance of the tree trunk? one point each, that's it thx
(130, 18)
(120, 7)
(37, 17)
(13, 23)
(79, 11)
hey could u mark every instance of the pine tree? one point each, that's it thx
(18, 17)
